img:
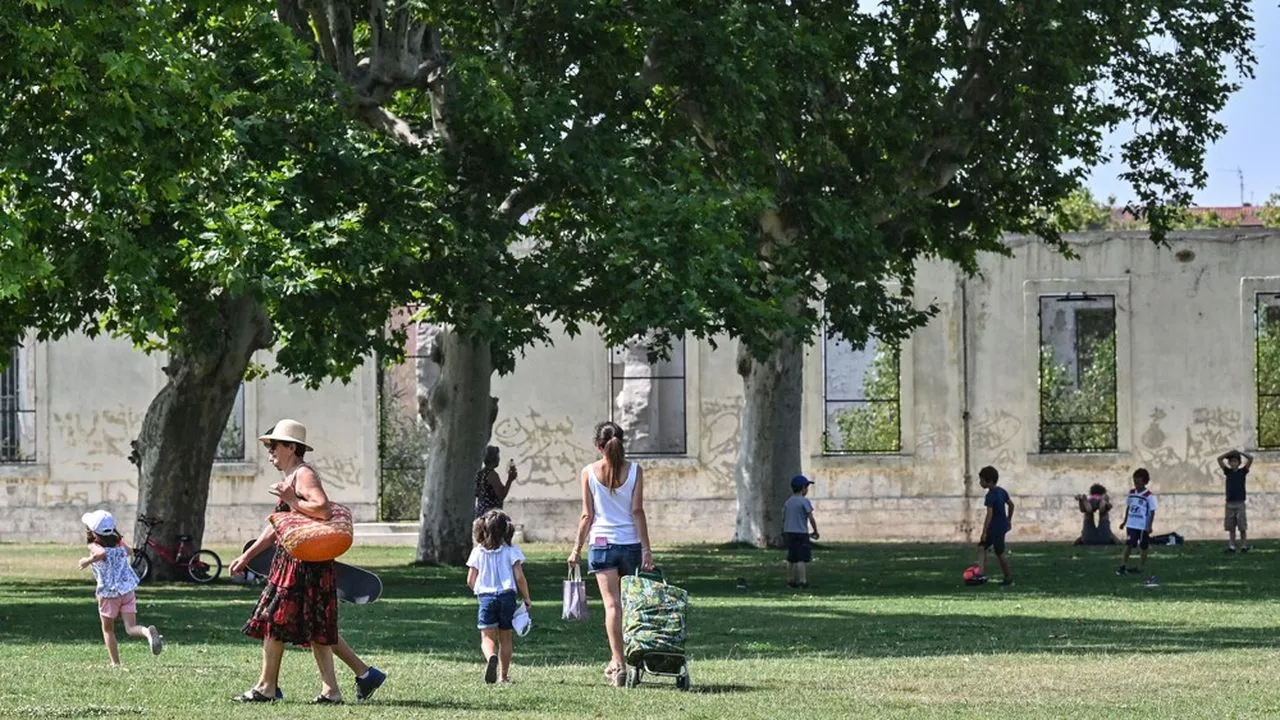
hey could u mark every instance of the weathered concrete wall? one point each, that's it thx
(91, 397)
(1185, 394)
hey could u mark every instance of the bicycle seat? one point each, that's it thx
(150, 520)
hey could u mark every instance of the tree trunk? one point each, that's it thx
(770, 451)
(459, 412)
(179, 436)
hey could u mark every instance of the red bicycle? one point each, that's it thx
(204, 566)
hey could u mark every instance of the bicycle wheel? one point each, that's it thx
(141, 565)
(205, 567)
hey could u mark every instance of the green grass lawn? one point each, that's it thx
(887, 631)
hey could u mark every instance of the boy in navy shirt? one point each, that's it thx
(1236, 518)
(998, 522)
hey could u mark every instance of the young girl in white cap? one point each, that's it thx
(109, 559)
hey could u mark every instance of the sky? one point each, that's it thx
(1251, 143)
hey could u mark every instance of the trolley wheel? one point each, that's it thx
(682, 680)
(633, 676)
(205, 567)
(141, 565)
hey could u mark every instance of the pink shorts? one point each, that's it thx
(112, 607)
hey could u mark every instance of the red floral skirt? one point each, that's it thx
(299, 605)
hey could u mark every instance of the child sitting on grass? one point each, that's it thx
(496, 570)
(109, 559)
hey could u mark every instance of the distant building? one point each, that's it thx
(1060, 372)
(70, 408)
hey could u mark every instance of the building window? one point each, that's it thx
(17, 409)
(861, 398)
(1077, 373)
(1267, 368)
(648, 398)
(231, 444)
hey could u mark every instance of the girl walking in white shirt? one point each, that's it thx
(496, 571)
(613, 517)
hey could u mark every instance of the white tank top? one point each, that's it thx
(614, 521)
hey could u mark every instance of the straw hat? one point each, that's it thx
(288, 431)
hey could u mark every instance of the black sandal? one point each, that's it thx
(326, 700)
(253, 695)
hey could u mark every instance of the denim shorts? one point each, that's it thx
(623, 558)
(496, 610)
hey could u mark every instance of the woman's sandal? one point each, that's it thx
(326, 700)
(253, 695)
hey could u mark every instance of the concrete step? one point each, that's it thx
(386, 533)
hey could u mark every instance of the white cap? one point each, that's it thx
(521, 622)
(99, 521)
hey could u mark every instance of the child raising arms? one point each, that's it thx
(109, 559)
(496, 569)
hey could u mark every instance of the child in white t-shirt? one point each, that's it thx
(496, 571)
(1139, 518)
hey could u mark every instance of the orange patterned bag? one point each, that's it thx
(312, 540)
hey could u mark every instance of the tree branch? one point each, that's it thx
(341, 27)
(387, 122)
(291, 14)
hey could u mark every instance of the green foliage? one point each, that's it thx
(196, 158)
(231, 443)
(1079, 416)
(401, 453)
(816, 150)
(1269, 212)
(874, 426)
(1267, 377)
(1079, 212)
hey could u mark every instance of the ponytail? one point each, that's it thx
(613, 463)
(608, 437)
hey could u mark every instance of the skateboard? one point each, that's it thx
(355, 584)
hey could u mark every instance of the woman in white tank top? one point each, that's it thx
(613, 523)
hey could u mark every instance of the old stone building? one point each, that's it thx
(69, 409)
(1060, 372)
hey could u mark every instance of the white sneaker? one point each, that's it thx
(155, 639)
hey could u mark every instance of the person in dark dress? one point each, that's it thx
(299, 605)
(490, 490)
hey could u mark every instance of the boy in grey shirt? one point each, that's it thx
(797, 517)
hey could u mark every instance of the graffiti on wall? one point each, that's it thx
(1211, 432)
(991, 432)
(933, 438)
(338, 472)
(721, 438)
(101, 432)
(549, 452)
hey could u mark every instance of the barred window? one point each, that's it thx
(231, 444)
(1078, 373)
(861, 397)
(1267, 368)
(648, 398)
(17, 409)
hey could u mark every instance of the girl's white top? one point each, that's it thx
(114, 575)
(495, 568)
(614, 521)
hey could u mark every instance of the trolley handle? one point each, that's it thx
(654, 574)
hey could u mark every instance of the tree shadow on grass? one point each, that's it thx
(429, 610)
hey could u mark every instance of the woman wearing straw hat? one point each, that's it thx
(300, 602)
